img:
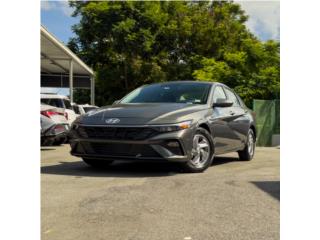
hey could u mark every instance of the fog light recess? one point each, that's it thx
(173, 144)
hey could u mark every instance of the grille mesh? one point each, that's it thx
(116, 133)
(129, 150)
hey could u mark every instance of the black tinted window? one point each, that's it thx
(76, 109)
(232, 97)
(87, 109)
(218, 93)
(67, 104)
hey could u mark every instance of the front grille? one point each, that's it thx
(119, 149)
(116, 133)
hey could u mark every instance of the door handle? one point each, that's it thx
(232, 113)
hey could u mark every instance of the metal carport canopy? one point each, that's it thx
(60, 67)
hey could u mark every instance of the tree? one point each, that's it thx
(134, 43)
(81, 96)
(254, 71)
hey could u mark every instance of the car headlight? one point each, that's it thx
(173, 127)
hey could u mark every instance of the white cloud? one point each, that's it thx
(264, 18)
(47, 5)
(62, 6)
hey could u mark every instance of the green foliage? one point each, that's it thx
(216, 71)
(254, 72)
(134, 43)
(82, 96)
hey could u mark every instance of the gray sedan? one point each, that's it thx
(188, 122)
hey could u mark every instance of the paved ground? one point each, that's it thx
(135, 201)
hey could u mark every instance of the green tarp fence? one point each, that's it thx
(267, 120)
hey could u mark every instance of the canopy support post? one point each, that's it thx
(71, 81)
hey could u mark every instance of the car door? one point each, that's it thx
(219, 119)
(238, 122)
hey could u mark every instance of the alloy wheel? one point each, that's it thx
(251, 144)
(200, 151)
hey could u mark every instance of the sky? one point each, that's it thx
(264, 18)
(56, 17)
(264, 21)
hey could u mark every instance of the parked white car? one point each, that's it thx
(54, 125)
(60, 101)
(82, 109)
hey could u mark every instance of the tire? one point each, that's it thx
(247, 153)
(59, 141)
(202, 156)
(97, 163)
(46, 142)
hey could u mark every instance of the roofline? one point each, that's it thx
(53, 95)
(186, 81)
(65, 49)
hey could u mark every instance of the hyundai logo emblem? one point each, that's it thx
(112, 120)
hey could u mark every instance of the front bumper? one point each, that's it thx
(171, 146)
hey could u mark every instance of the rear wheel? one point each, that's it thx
(59, 141)
(97, 162)
(248, 152)
(46, 141)
(202, 152)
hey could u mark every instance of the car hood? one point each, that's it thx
(141, 113)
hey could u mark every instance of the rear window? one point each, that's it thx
(76, 109)
(56, 102)
(67, 104)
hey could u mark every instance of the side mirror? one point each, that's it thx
(116, 102)
(222, 102)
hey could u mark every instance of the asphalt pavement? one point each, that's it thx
(232, 200)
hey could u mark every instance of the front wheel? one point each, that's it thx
(202, 152)
(97, 162)
(248, 152)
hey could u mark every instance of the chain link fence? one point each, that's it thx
(267, 120)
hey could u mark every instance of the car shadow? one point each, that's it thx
(122, 169)
(218, 160)
(47, 149)
(118, 169)
(270, 187)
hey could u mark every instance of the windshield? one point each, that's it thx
(56, 102)
(192, 93)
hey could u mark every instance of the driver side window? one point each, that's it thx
(232, 97)
(218, 93)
